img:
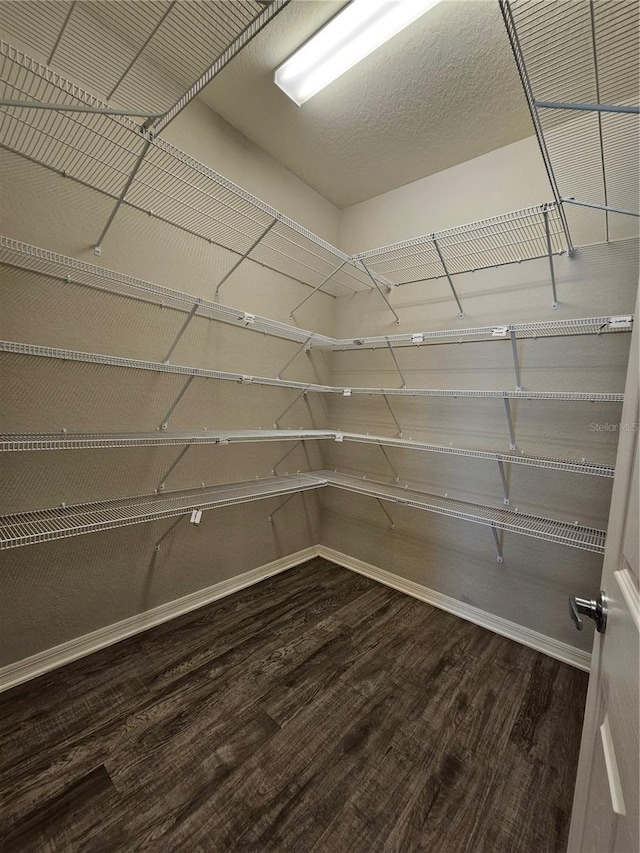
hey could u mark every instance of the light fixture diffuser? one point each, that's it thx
(354, 33)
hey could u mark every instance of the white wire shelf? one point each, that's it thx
(510, 238)
(153, 56)
(550, 530)
(138, 364)
(28, 528)
(16, 442)
(539, 329)
(61, 267)
(579, 63)
(110, 155)
(16, 253)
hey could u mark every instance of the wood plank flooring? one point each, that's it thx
(317, 711)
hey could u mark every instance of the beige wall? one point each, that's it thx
(61, 590)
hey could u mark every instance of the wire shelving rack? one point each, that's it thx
(29, 528)
(579, 64)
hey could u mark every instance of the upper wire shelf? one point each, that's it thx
(109, 154)
(16, 442)
(54, 265)
(153, 56)
(304, 387)
(510, 238)
(579, 63)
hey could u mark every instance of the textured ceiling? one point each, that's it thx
(442, 92)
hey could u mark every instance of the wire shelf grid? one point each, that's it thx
(548, 529)
(28, 528)
(584, 53)
(17, 442)
(509, 238)
(161, 367)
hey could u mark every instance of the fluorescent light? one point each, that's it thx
(358, 30)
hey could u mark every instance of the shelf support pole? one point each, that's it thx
(282, 458)
(244, 256)
(72, 108)
(545, 213)
(169, 530)
(395, 361)
(276, 423)
(304, 346)
(174, 464)
(147, 144)
(449, 279)
(393, 415)
(389, 463)
(317, 288)
(184, 328)
(601, 207)
(505, 484)
(512, 435)
(284, 503)
(387, 513)
(496, 538)
(516, 363)
(181, 393)
(379, 289)
(61, 33)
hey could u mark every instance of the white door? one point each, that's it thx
(605, 816)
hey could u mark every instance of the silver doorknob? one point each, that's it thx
(594, 608)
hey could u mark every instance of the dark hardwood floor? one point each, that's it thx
(317, 711)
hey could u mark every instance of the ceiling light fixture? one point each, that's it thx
(355, 32)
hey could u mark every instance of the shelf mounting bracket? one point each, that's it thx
(512, 435)
(244, 256)
(184, 328)
(545, 213)
(448, 275)
(395, 361)
(304, 346)
(393, 415)
(505, 485)
(396, 479)
(516, 363)
(282, 458)
(174, 464)
(165, 421)
(387, 513)
(279, 507)
(276, 423)
(379, 289)
(496, 538)
(317, 288)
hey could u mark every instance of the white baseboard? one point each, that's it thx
(49, 659)
(527, 637)
(31, 667)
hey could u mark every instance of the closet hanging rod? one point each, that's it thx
(195, 372)
(15, 253)
(29, 528)
(25, 442)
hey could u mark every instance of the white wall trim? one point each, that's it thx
(526, 636)
(31, 667)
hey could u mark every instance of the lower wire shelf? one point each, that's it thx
(21, 442)
(29, 528)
